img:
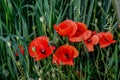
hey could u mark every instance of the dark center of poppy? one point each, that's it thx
(67, 56)
(88, 40)
(43, 51)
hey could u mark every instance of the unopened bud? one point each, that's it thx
(9, 43)
(99, 3)
(41, 18)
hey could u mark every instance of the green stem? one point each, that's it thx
(116, 5)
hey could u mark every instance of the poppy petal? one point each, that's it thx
(32, 50)
(39, 48)
(66, 28)
(95, 39)
(68, 63)
(104, 45)
(69, 26)
(82, 37)
(86, 34)
(107, 44)
(55, 60)
(108, 36)
(81, 26)
(90, 47)
(105, 39)
(56, 28)
(53, 47)
(114, 41)
(75, 39)
(37, 58)
(75, 51)
(65, 54)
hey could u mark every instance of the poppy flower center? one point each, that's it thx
(88, 40)
(67, 56)
(43, 51)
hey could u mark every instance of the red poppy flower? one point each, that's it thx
(81, 33)
(39, 48)
(106, 38)
(91, 41)
(65, 55)
(66, 28)
(21, 50)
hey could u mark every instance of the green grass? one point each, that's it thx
(20, 23)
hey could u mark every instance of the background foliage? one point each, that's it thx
(23, 20)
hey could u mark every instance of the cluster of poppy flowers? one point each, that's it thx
(78, 32)
(40, 48)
